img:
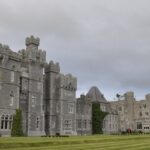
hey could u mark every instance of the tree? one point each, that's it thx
(17, 124)
(97, 118)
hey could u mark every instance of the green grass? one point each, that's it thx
(101, 142)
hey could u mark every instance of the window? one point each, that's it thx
(139, 125)
(68, 124)
(33, 101)
(2, 121)
(11, 101)
(110, 126)
(146, 127)
(11, 98)
(144, 105)
(6, 122)
(140, 114)
(146, 113)
(12, 76)
(37, 122)
(79, 124)
(84, 124)
(39, 86)
(0, 86)
(71, 108)
(90, 123)
(0, 75)
(57, 108)
(120, 108)
(13, 67)
(103, 108)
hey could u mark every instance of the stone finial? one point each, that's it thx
(32, 40)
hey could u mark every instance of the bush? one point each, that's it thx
(17, 124)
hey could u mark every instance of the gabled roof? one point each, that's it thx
(95, 95)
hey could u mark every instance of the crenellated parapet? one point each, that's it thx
(52, 67)
(6, 52)
(129, 95)
(68, 82)
(35, 56)
(32, 41)
(147, 96)
(32, 52)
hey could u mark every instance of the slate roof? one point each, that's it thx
(95, 95)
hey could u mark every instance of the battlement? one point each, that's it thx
(147, 96)
(68, 82)
(4, 47)
(129, 95)
(6, 51)
(32, 52)
(35, 56)
(32, 41)
(52, 67)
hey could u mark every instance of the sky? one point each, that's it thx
(104, 43)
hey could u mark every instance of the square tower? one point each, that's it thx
(31, 101)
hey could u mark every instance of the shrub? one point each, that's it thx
(17, 124)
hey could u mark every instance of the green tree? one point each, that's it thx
(97, 118)
(17, 124)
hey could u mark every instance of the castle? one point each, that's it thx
(48, 101)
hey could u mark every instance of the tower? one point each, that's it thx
(31, 101)
(60, 101)
(52, 71)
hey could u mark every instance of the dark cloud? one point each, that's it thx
(102, 42)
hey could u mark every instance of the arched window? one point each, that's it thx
(2, 121)
(6, 122)
(37, 122)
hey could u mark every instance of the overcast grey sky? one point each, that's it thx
(105, 43)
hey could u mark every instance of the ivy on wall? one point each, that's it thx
(97, 118)
(17, 124)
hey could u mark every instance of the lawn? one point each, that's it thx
(101, 142)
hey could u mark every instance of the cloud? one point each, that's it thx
(103, 43)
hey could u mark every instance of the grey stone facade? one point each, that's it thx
(46, 97)
(60, 102)
(84, 113)
(48, 101)
(133, 114)
(10, 64)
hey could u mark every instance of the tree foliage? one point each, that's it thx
(17, 124)
(97, 118)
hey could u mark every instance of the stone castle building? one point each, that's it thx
(132, 114)
(48, 101)
(84, 113)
